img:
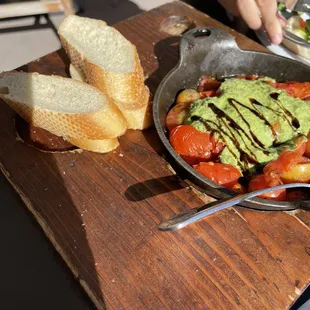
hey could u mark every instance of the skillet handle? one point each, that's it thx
(197, 43)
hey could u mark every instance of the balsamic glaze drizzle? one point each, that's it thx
(228, 127)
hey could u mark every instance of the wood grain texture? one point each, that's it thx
(101, 211)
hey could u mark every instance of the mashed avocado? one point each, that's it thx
(255, 120)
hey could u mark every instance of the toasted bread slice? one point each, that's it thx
(98, 146)
(62, 106)
(105, 58)
(76, 74)
(139, 118)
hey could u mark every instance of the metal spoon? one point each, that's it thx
(292, 37)
(193, 215)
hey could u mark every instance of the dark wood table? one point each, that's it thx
(101, 211)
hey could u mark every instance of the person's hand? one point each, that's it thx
(258, 14)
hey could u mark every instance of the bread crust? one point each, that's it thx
(125, 88)
(98, 146)
(105, 123)
(138, 118)
(141, 117)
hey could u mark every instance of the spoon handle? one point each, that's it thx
(193, 215)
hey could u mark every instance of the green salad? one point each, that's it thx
(297, 22)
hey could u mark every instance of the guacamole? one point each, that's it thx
(255, 120)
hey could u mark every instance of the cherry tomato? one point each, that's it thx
(302, 23)
(300, 173)
(285, 162)
(222, 174)
(239, 188)
(307, 152)
(176, 115)
(297, 195)
(304, 160)
(187, 96)
(194, 145)
(294, 89)
(208, 83)
(208, 93)
(259, 182)
(248, 77)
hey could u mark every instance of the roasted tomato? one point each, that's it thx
(307, 152)
(304, 160)
(259, 182)
(248, 77)
(193, 145)
(294, 89)
(176, 115)
(238, 188)
(302, 23)
(284, 163)
(208, 93)
(208, 83)
(298, 174)
(187, 96)
(222, 174)
(297, 195)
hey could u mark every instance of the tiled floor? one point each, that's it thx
(21, 40)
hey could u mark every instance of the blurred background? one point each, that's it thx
(21, 38)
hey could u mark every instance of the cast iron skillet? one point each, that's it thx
(214, 52)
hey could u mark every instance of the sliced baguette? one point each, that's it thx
(98, 146)
(139, 118)
(106, 59)
(62, 106)
(76, 74)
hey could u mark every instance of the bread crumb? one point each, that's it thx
(83, 224)
(46, 189)
(297, 291)
(64, 172)
(121, 155)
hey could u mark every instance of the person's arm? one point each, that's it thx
(258, 13)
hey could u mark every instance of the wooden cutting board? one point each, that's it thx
(101, 211)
